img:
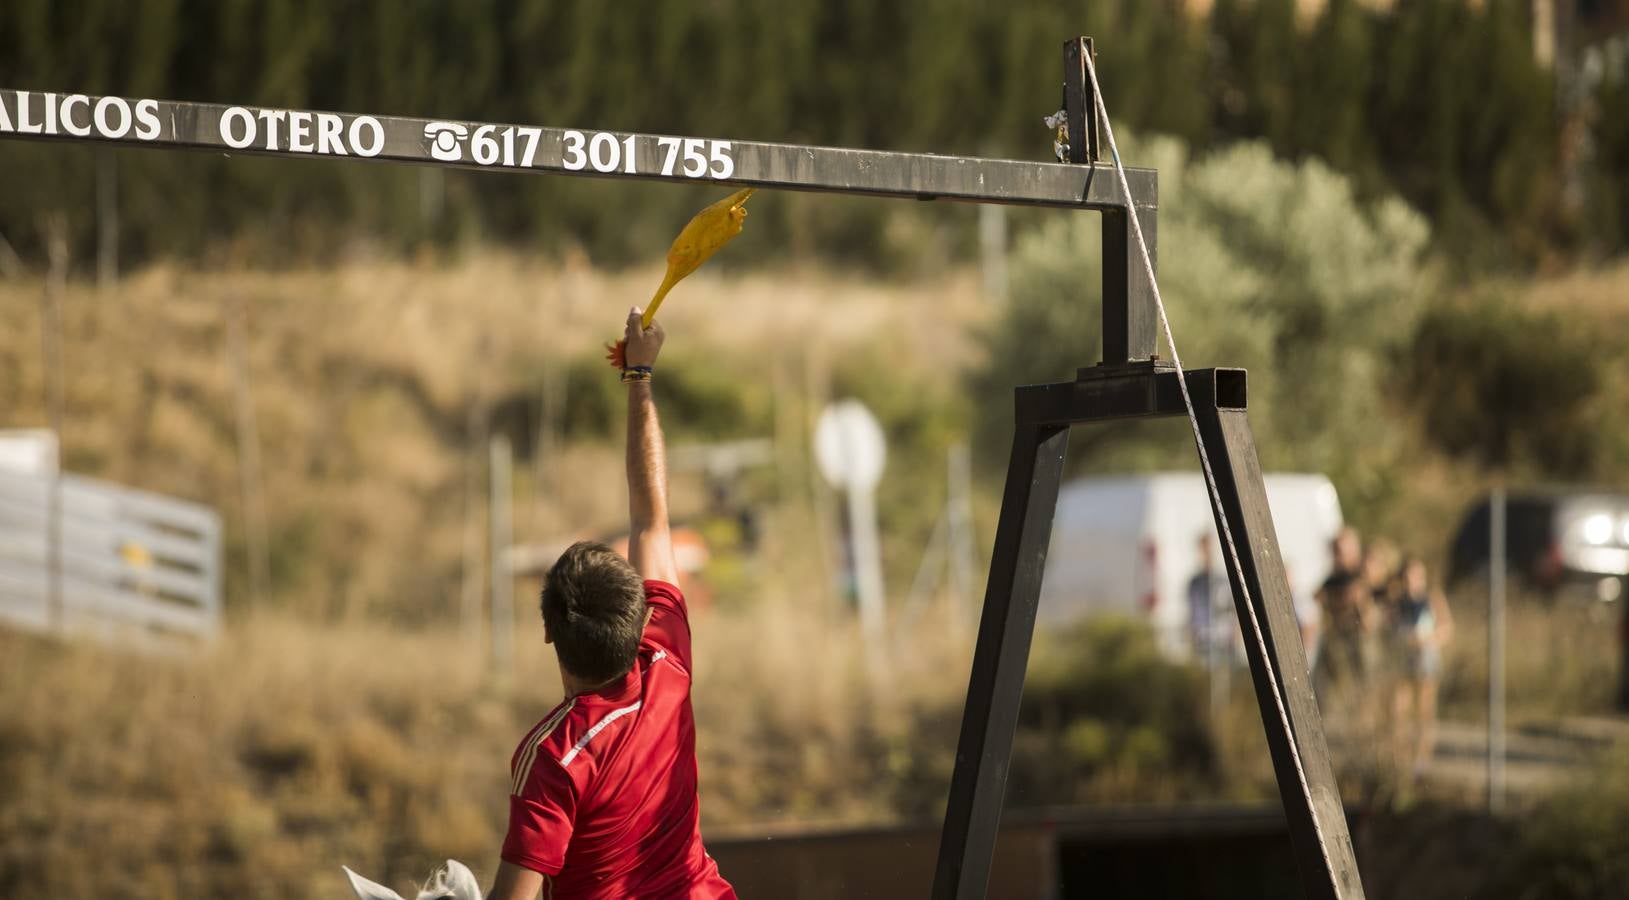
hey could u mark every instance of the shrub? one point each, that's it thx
(1265, 264)
(1576, 843)
(1502, 384)
(1106, 716)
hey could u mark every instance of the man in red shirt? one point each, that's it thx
(603, 790)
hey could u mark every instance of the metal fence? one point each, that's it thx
(130, 565)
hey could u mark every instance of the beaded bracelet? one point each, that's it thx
(632, 374)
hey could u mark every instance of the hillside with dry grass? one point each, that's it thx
(260, 766)
(373, 386)
(351, 719)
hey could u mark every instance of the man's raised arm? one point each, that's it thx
(650, 543)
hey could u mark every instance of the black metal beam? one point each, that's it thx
(1129, 317)
(996, 683)
(1295, 738)
(1130, 320)
(1128, 309)
(1105, 393)
(33, 115)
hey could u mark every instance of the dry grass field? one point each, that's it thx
(257, 767)
(370, 382)
(260, 766)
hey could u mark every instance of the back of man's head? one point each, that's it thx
(594, 610)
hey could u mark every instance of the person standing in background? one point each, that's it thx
(1211, 624)
(1422, 626)
(1345, 617)
(1202, 602)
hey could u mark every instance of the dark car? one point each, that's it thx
(1553, 539)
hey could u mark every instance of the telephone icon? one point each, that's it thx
(446, 140)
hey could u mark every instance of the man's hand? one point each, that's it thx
(643, 344)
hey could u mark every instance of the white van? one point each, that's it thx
(1130, 544)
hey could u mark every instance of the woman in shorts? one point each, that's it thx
(1422, 626)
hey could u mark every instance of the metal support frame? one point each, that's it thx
(1130, 382)
(1043, 414)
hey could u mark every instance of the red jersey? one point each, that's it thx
(603, 790)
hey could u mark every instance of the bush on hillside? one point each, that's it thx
(1505, 385)
(1106, 716)
(1269, 265)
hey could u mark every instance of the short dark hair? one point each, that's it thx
(594, 607)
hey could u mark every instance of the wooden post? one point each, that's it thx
(56, 284)
(501, 536)
(250, 485)
(469, 582)
(1496, 650)
(960, 539)
(107, 218)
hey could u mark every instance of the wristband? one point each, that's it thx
(631, 374)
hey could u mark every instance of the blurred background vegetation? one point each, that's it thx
(1440, 102)
(1409, 229)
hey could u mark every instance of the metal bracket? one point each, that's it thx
(1128, 299)
(1079, 102)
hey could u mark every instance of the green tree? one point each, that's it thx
(1505, 386)
(1255, 68)
(1610, 200)
(1269, 265)
(1438, 100)
(1332, 88)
